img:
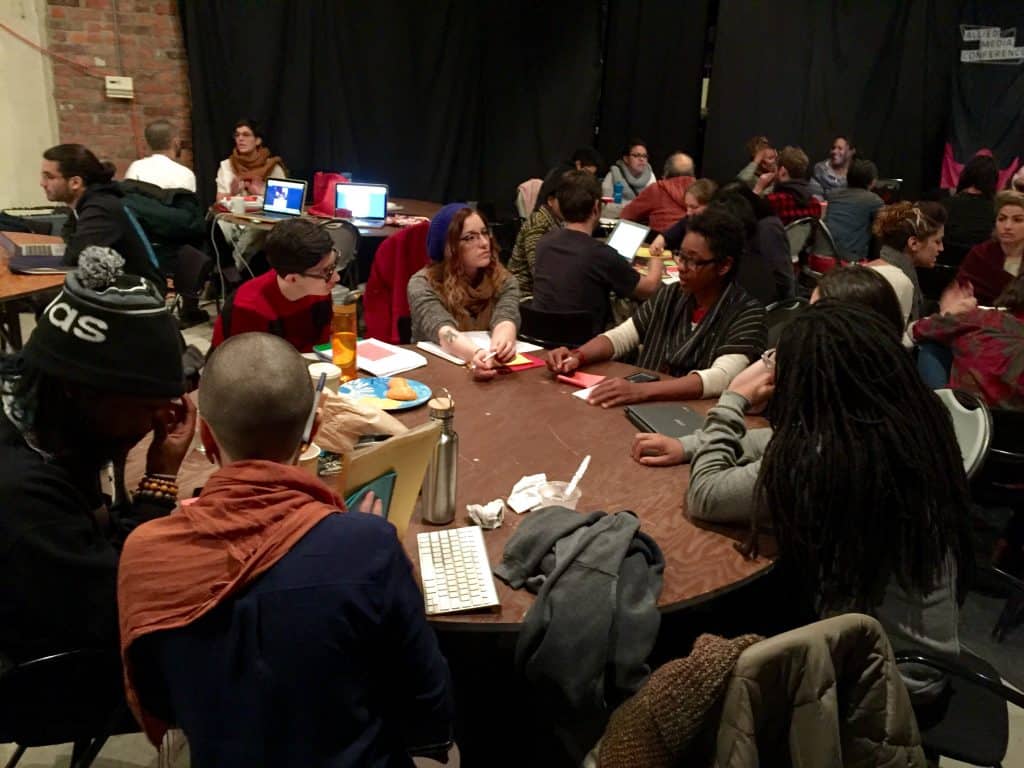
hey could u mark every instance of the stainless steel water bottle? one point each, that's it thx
(439, 483)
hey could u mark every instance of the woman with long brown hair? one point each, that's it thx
(465, 289)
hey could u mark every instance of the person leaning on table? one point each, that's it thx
(701, 333)
(465, 289)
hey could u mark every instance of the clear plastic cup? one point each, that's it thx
(553, 495)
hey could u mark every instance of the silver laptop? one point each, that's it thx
(283, 198)
(368, 203)
(627, 237)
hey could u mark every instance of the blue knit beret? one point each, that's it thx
(438, 232)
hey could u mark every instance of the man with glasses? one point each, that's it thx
(293, 298)
(700, 333)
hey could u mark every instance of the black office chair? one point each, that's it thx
(1001, 483)
(888, 190)
(554, 329)
(76, 697)
(969, 721)
(780, 314)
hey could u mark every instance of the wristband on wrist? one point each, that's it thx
(154, 487)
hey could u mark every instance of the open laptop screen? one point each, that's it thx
(627, 237)
(365, 201)
(284, 196)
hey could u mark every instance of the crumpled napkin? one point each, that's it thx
(488, 516)
(525, 494)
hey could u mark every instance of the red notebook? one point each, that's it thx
(581, 379)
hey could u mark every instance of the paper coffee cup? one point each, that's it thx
(333, 375)
(236, 205)
(309, 459)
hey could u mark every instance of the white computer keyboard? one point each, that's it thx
(43, 249)
(455, 569)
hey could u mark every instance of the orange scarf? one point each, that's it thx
(178, 568)
(256, 165)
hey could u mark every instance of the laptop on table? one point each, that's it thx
(627, 237)
(283, 199)
(368, 203)
(669, 419)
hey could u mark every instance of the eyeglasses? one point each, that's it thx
(469, 237)
(327, 274)
(768, 358)
(688, 262)
(638, 155)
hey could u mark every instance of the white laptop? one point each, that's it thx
(367, 202)
(283, 198)
(627, 237)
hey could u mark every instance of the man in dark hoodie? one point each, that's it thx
(793, 196)
(71, 174)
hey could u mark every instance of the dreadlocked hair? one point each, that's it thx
(863, 476)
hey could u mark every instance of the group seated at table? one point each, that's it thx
(841, 357)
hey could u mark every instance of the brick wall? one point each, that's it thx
(140, 39)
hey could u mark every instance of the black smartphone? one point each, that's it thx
(642, 377)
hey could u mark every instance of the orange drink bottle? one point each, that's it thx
(343, 339)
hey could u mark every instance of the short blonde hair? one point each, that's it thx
(1008, 197)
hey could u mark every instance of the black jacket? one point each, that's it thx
(58, 568)
(99, 219)
(171, 218)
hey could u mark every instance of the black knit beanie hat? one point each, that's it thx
(109, 331)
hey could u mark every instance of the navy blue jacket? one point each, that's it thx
(325, 660)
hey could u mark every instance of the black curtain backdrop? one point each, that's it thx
(988, 95)
(449, 100)
(654, 64)
(803, 71)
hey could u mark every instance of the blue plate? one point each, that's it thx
(375, 391)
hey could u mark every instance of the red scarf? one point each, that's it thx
(176, 569)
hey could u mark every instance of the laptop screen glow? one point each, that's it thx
(366, 201)
(627, 237)
(284, 196)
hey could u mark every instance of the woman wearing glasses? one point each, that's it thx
(701, 333)
(246, 171)
(991, 266)
(465, 289)
(632, 171)
(293, 298)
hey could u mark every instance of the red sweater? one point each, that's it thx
(660, 205)
(983, 267)
(259, 305)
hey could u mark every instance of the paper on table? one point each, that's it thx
(483, 340)
(382, 359)
(581, 379)
(434, 349)
(584, 394)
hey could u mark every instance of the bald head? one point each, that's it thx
(678, 164)
(255, 395)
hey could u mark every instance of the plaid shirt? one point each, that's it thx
(988, 352)
(789, 210)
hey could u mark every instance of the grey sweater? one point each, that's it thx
(724, 461)
(585, 640)
(429, 313)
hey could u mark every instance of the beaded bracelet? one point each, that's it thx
(158, 488)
